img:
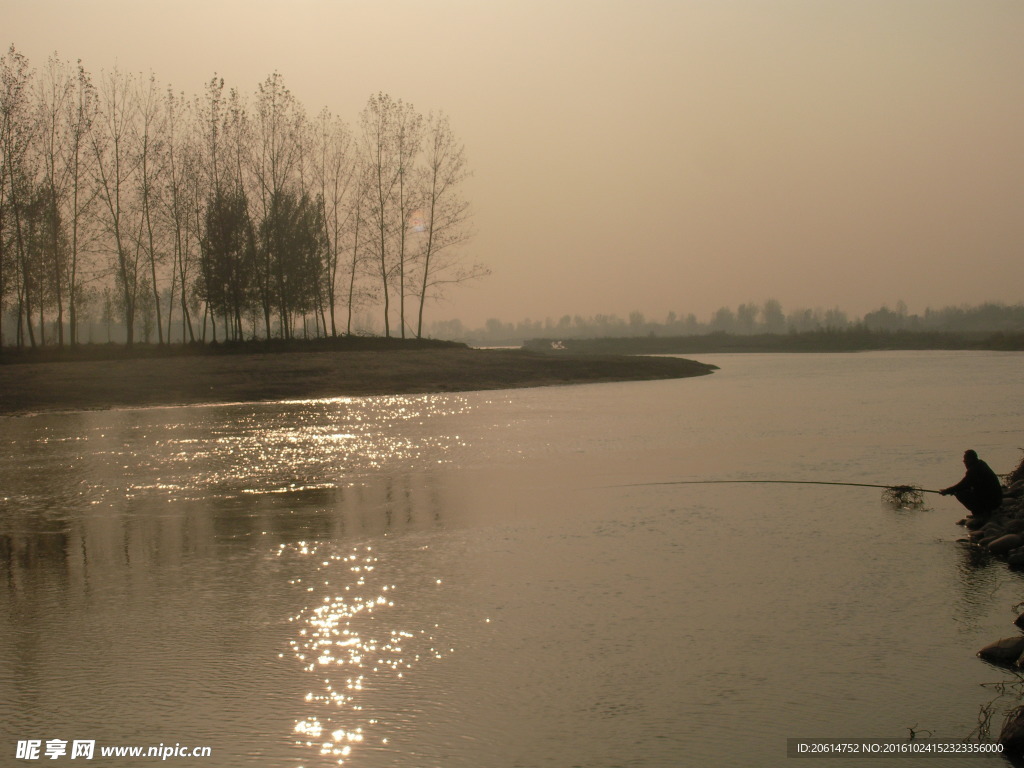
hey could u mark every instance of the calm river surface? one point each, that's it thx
(484, 579)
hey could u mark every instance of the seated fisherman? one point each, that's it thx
(980, 490)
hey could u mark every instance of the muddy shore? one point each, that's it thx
(95, 384)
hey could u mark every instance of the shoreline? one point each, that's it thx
(34, 387)
(849, 340)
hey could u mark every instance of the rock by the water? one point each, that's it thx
(1016, 561)
(1003, 652)
(1012, 735)
(1005, 543)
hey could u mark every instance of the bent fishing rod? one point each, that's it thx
(899, 495)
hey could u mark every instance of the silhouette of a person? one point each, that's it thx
(979, 490)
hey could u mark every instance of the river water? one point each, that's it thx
(510, 578)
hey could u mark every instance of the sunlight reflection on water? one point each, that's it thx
(352, 642)
(319, 443)
(254, 449)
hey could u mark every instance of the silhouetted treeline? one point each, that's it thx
(765, 319)
(130, 211)
(854, 339)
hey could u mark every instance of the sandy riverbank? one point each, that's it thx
(189, 379)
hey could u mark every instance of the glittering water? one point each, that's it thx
(478, 580)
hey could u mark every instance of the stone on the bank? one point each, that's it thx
(1005, 543)
(1015, 526)
(1003, 652)
(1015, 560)
(1012, 735)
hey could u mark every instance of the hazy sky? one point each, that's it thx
(653, 154)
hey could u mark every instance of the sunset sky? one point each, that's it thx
(653, 155)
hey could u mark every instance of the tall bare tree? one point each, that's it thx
(390, 139)
(17, 128)
(408, 138)
(359, 226)
(181, 191)
(114, 148)
(443, 224)
(54, 91)
(335, 172)
(65, 104)
(81, 115)
(151, 145)
(210, 111)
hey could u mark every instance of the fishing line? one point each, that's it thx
(897, 495)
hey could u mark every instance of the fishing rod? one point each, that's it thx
(897, 495)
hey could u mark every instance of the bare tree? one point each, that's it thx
(357, 250)
(390, 140)
(54, 91)
(381, 179)
(151, 146)
(335, 174)
(81, 114)
(181, 186)
(408, 138)
(443, 224)
(16, 136)
(210, 112)
(114, 149)
(238, 139)
(65, 104)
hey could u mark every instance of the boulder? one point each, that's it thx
(1015, 526)
(1005, 543)
(1003, 652)
(1015, 560)
(1012, 736)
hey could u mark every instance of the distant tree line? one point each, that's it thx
(164, 215)
(745, 320)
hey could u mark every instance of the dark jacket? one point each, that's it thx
(981, 483)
